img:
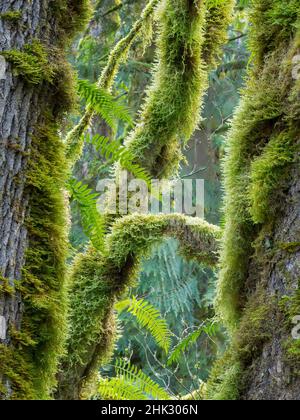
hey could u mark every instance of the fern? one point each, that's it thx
(113, 150)
(92, 222)
(209, 329)
(103, 103)
(119, 389)
(131, 383)
(149, 318)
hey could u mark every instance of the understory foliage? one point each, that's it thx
(262, 155)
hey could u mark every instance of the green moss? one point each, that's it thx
(40, 343)
(43, 287)
(171, 110)
(30, 363)
(71, 17)
(6, 286)
(75, 138)
(224, 383)
(290, 306)
(168, 119)
(270, 173)
(273, 23)
(255, 329)
(11, 16)
(254, 172)
(99, 279)
(261, 155)
(17, 370)
(32, 63)
(218, 18)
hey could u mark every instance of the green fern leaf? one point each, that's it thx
(209, 329)
(150, 318)
(119, 389)
(103, 103)
(93, 223)
(131, 384)
(114, 151)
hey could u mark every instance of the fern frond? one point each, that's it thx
(209, 329)
(113, 150)
(92, 222)
(103, 103)
(119, 389)
(134, 376)
(150, 318)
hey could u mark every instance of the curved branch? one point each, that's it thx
(98, 280)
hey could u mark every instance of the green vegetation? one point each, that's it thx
(154, 276)
(11, 16)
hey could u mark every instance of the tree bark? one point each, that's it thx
(271, 376)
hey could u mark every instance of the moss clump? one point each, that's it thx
(218, 18)
(6, 287)
(32, 63)
(255, 329)
(11, 16)
(71, 17)
(99, 279)
(224, 383)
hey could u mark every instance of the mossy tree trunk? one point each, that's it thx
(35, 92)
(258, 293)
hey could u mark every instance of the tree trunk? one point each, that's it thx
(35, 92)
(273, 374)
(258, 292)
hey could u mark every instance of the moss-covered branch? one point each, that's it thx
(168, 119)
(75, 139)
(98, 280)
